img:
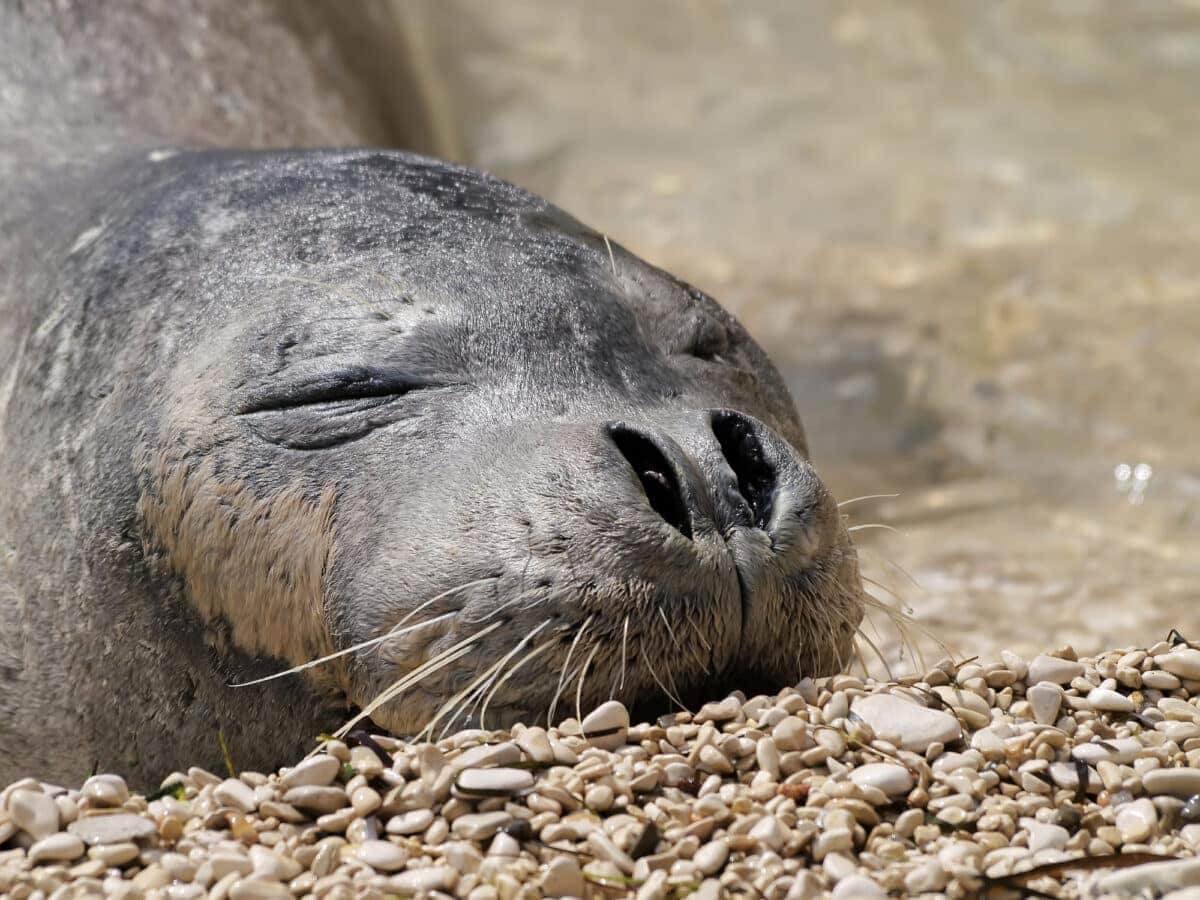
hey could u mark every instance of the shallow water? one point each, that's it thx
(966, 232)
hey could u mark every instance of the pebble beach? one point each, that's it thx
(1051, 776)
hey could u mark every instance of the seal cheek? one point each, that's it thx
(259, 563)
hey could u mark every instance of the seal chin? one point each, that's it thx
(699, 554)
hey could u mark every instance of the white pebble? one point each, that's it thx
(893, 780)
(1044, 836)
(769, 832)
(479, 826)
(1109, 701)
(60, 847)
(34, 813)
(562, 878)
(1045, 698)
(1137, 820)
(383, 856)
(1053, 669)
(916, 726)
(236, 793)
(859, 887)
(607, 725)
(1182, 782)
(318, 771)
(105, 790)
(494, 782)
(1184, 662)
(411, 822)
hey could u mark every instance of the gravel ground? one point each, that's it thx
(957, 782)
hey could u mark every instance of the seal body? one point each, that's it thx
(257, 408)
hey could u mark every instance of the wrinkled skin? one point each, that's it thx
(256, 408)
(311, 391)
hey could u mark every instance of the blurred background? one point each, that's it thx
(967, 233)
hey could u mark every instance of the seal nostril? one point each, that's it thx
(743, 451)
(656, 475)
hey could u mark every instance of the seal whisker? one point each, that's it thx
(360, 646)
(611, 259)
(440, 661)
(394, 631)
(846, 503)
(579, 688)
(699, 633)
(880, 525)
(887, 590)
(563, 677)
(482, 683)
(658, 681)
(528, 657)
(624, 646)
(879, 653)
(895, 565)
(675, 640)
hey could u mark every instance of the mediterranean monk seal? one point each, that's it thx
(260, 407)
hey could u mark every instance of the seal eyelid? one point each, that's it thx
(705, 339)
(358, 383)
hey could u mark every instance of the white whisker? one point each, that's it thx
(563, 678)
(398, 687)
(879, 525)
(528, 657)
(845, 503)
(391, 633)
(579, 688)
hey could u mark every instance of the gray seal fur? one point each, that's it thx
(259, 407)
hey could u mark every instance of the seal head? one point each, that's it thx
(316, 400)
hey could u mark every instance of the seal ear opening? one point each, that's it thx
(656, 474)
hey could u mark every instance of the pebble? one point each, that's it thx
(479, 826)
(917, 727)
(34, 813)
(1044, 836)
(1054, 670)
(115, 828)
(1155, 878)
(1184, 662)
(422, 882)
(255, 888)
(858, 886)
(1115, 750)
(841, 785)
(318, 771)
(115, 854)
(412, 822)
(381, 855)
(1137, 821)
(1045, 699)
(562, 878)
(236, 793)
(315, 799)
(712, 856)
(105, 790)
(494, 782)
(56, 847)
(1109, 701)
(1179, 782)
(607, 725)
(769, 832)
(893, 780)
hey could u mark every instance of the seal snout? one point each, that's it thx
(661, 477)
(727, 478)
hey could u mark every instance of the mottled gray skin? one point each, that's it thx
(259, 406)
